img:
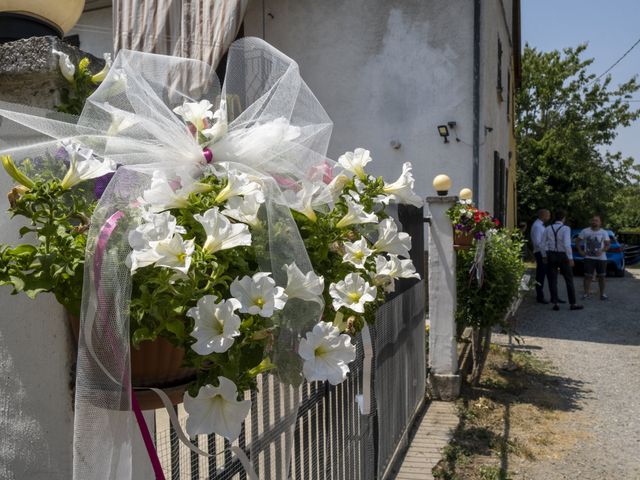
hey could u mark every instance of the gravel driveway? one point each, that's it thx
(599, 349)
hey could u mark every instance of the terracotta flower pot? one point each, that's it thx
(155, 364)
(462, 239)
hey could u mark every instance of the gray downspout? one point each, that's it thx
(476, 101)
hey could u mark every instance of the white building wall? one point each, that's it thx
(95, 29)
(493, 111)
(384, 70)
(36, 417)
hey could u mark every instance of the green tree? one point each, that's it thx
(565, 120)
(625, 205)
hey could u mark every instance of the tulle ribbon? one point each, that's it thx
(277, 131)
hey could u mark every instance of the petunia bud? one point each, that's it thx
(67, 68)
(102, 74)
(17, 175)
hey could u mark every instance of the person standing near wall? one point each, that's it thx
(557, 254)
(537, 242)
(596, 243)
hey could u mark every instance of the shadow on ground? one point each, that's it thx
(516, 411)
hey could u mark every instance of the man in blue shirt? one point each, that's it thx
(537, 236)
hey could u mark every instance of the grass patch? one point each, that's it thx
(519, 413)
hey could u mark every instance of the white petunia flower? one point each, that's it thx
(258, 295)
(308, 287)
(216, 324)
(337, 185)
(352, 292)
(175, 253)
(165, 193)
(357, 252)
(355, 215)
(389, 270)
(142, 258)
(302, 200)
(382, 199)
(67, 68)
(83, 165)
(244, 209)
(355, 161)
(239, 184)
(156, 227)
(121, 121)
(218, 129)
(216, 410)
(327, 354)
(392, 241)
(195, 113)
(221, 233)
(402, 189)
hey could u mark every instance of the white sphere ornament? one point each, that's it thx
(62, 15)
(442, 184)
(466, 194)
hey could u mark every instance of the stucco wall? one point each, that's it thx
(384, 70)
(36, 419)
(95, 31)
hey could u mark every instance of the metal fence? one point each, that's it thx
(332, 439)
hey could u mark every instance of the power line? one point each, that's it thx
(617, 61)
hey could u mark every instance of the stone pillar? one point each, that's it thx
(444, 380)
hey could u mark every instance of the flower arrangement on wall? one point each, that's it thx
(469, 220)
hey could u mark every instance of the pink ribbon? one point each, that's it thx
(103, 239)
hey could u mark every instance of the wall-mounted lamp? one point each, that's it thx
(466, 194)
(443, 130)
(487, 129)
(442, 184)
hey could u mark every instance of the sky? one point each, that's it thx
(609, 27)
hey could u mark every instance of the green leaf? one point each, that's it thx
(18, 283)
(140, 335)
(22, 250)
(24, 231)
(263, 367)
(176, 327)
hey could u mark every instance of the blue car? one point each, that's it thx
(615, 255)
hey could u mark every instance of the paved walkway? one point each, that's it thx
(430, 436)
(597, 353)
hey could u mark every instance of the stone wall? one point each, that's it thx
(29, 72)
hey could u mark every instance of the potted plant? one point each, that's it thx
(485, 293)
(470, 223)
(203, 308)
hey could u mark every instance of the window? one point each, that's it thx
(499, 83)
(500, 172)
(508, 95)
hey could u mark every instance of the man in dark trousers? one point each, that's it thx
(558, 256)
(537, 242)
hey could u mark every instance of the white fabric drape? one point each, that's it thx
(197, 29)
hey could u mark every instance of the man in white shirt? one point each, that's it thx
(559, 256)
(537, 236)
(593, 243)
